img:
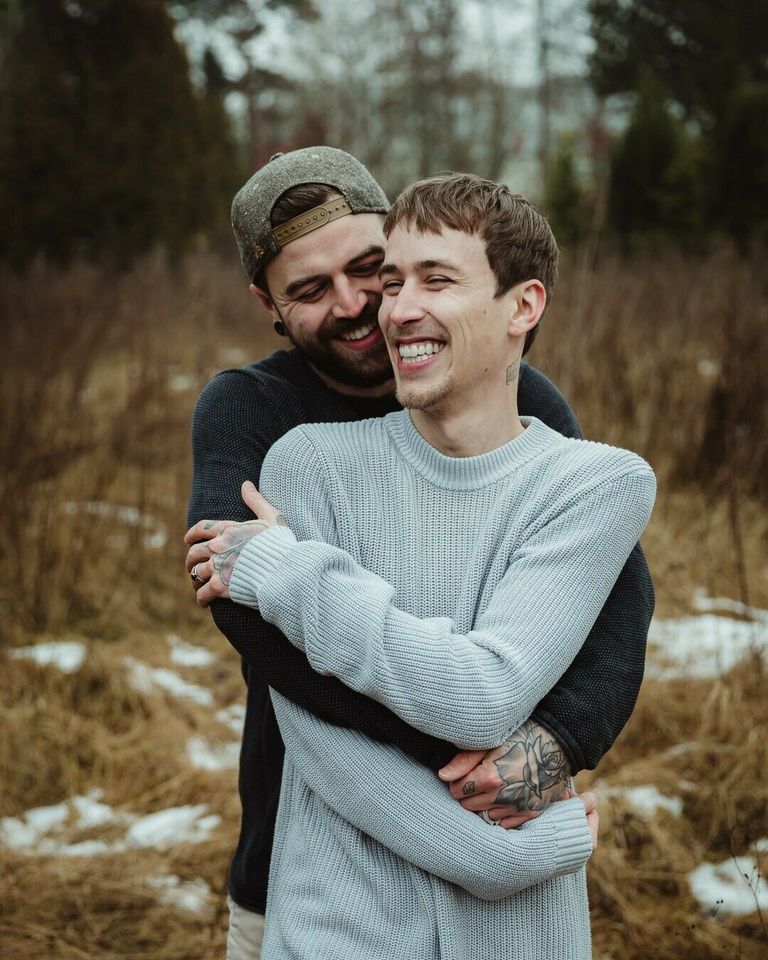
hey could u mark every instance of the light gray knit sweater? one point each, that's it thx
(456, 591)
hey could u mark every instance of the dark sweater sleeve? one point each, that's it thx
(233, 426)
(588, 707)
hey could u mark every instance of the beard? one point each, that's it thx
(369, 368)
(424, 398)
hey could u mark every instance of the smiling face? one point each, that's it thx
(325, 288)
(447, 332)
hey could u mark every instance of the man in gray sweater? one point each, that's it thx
(449, 562)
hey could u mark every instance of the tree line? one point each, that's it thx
(111, 142)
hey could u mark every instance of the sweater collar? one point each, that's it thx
(467, 473)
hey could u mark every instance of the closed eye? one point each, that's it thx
(312, 294)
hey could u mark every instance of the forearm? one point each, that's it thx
(280, 665)
(424, 825)
(471, 688)
(589, 705)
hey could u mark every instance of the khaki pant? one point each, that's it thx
(246, 929)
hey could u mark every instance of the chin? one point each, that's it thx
(426, 398)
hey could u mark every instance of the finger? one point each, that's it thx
(203, 571)
(483, 779)
(509, 813)
(593, 822)
(462, 764)
(512, 823)
(483, 801)
(205, 530)
(257, 503)
(589, 800)
(197, 553)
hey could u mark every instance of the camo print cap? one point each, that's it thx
(252, 206)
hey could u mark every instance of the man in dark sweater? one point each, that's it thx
(309, 229)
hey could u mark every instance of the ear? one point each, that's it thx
(264, 298)
(529, 301)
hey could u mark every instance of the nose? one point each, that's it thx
(403, 308)
(349, 299)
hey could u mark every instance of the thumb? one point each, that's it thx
(461, 765)
(251, 497)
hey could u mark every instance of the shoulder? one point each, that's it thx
(334, 444)
(577, 467)
(538, 396)
(270, 378)
(258, 400)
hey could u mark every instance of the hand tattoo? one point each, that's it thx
(533, 769)
(469, 788)
(242, 533)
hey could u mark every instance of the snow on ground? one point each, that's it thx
(191, 895)
(647, 800)
(206, 755)
(187, 655)
(45, 831)
(706, 645)
(165, 828)
(732, 887)
(67, 655)
(145, 678)
(233, 716)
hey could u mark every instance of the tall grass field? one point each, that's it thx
(120, 703)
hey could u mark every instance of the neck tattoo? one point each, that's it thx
(512, 372)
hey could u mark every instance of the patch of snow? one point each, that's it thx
(18, 833)
(178, 382)
(28, 830)
(645, 799)
(67, 655)
(704, 646)
(732, 887)
(233, 355)
(709, 369)
(41, 831)
(186, 824)
(212, 756)
(155, 537)
(144, 678)
(233, 716)
(86, 848)
(705, 604)
(187, 655)
(191, 895)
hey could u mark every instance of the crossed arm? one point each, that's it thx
(233, 428)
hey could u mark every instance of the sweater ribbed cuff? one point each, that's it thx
(574, 841)
(258, 560)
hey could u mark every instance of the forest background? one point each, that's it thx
(641, 129)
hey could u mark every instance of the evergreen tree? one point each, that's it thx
(711, 59)
(564, 200)
(101, 134)
(655, 180)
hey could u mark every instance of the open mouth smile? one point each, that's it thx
(362, 337)
(418, 353)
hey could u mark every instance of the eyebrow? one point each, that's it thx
(296, 285)
(389, 268)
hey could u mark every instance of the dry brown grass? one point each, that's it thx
(668, 358)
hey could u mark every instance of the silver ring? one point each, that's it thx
(194, 576)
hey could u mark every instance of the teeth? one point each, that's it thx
(412, 352)
(359, 333)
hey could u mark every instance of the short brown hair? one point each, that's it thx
(519, 242)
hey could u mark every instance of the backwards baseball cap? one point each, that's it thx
(252, 206)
